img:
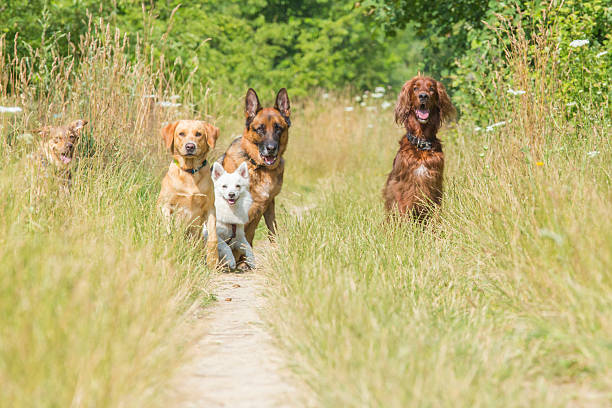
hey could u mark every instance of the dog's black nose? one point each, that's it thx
(190, 147)
(231, 195)
(423, 96)
(69, 145)
(271, 147)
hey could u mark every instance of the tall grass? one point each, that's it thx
(503, 300)
(96, 296)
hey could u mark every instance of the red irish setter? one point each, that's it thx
(415, 181)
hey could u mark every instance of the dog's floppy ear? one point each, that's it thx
(77, 125)
(43, 131)
(217, 171)
(243, 170)
(447, 110)
(212, 133)
(282, 105)
(252, 106)
(404, 103)
(167, 133)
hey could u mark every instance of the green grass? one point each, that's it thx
(96, 298)
(504, 299)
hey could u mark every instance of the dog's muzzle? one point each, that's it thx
(190, 148)
(268, 152)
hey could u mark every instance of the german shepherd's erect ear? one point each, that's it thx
(282, 105)
(252, 106)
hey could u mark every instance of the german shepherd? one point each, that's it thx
(262, 146)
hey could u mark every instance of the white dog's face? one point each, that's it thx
(231, 186)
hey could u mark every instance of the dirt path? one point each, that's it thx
(236, 363)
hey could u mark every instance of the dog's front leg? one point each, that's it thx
(244, 246)
(226, 256)
(270, 217)
(212, 253)
(166, 211)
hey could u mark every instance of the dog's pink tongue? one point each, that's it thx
(422, 114)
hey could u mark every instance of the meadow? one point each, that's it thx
(502, 300)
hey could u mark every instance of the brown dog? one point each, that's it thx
(56, 151)
(262, 146)
(187, 191)
(415, 181)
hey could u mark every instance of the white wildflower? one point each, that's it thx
(570, 104)
(477, 129)
(601, 54)
(578, 43)
(385, 104)
(516, 92)
(379, 89)
(165, 104)
(363, 103)
(150, 96)
(592, 154)
(493, 126)
(174, 97)
(10, 109)
(325, 96)
(371, 108)
(358, 98)
(349, 109)
(377, 95)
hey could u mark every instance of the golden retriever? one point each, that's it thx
(187, 191)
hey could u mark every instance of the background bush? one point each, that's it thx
(304, 45)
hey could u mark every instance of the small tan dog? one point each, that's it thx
(56, 151)
(187, 191)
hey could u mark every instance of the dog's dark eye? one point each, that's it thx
(431, 88)
(198, 134)
(182, 134)
(224, 186)
(277, 128)
(261, 129)
(415, 88)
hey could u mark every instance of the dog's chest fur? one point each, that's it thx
(188, 196)
(228, 215)
(265, 183)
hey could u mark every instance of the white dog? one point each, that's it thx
(232, 203)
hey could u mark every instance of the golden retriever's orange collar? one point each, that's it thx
(191, 171)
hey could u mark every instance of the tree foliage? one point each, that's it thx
(466, 42)
(232, 44)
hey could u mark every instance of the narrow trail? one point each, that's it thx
(236, 363)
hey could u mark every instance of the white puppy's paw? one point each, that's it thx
(229, 262)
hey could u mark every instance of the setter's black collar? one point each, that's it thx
(419, 143)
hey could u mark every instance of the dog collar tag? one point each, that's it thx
(190, 171)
